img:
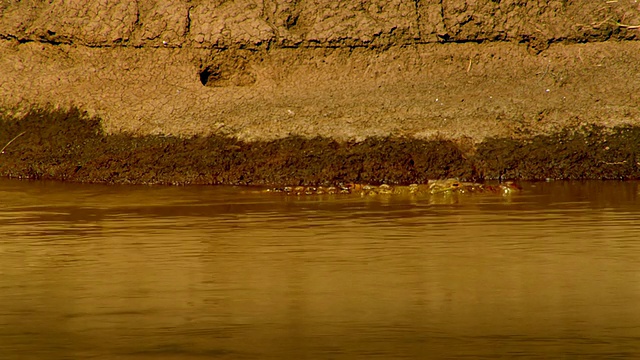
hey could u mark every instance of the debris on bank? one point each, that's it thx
(433, 187)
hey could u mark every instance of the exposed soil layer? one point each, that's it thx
(72, 146)
(427, 91)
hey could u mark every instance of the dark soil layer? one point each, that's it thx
(70, 146)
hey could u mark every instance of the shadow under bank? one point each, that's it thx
(71, 146)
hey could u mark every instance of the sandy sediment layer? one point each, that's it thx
(446, 90)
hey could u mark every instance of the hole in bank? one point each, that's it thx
(222, 75)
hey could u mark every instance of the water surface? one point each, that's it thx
(123, 272)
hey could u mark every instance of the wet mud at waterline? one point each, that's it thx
(71, 146)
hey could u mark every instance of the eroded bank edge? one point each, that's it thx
(68, 145)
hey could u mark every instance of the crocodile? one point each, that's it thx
(448, 186)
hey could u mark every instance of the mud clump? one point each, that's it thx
(71, 146)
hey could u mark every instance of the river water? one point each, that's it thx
(135, 272)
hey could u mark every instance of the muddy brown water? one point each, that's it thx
(139, 272)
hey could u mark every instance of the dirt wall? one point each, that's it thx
(261, 70)
(252, 23)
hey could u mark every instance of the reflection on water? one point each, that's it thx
(105, 272)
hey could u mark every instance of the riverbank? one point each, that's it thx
(294, 92)
(72, 146)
